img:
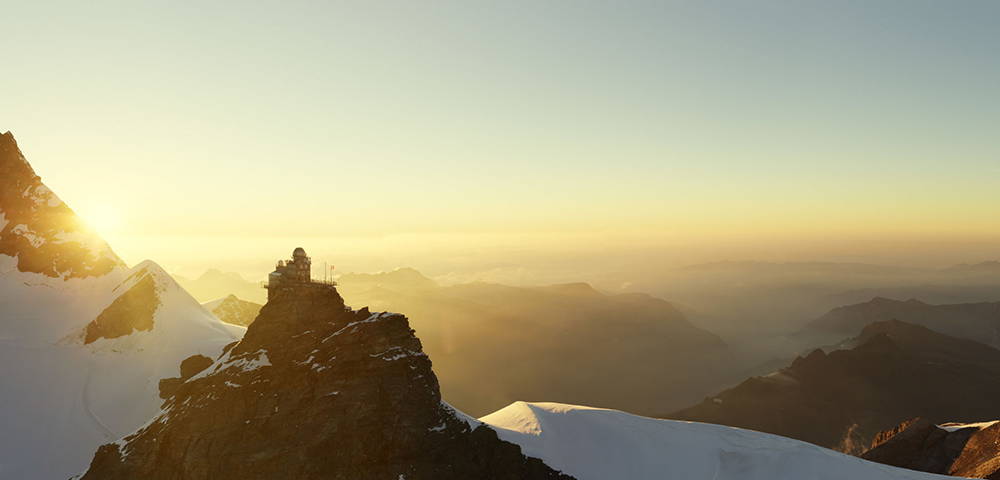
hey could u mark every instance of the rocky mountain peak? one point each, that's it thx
(234, 310)
(315, 390)
(39, 230)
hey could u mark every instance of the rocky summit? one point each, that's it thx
(314, 390)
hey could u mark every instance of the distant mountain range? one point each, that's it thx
(973, 321)
(758, 301)
(628, 351)
(215, 284)
(891, 372)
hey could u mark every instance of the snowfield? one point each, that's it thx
(599, 444)
(61, 398)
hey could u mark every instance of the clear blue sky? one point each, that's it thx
(382, 118)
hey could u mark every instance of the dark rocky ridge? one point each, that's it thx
(39, 229)
(315, 390)
(918, 444)
(843, 399)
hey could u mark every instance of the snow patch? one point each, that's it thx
(371, 318)
(397, 353)
(952, 427)
(33, 238)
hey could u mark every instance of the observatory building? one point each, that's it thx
(293, 274)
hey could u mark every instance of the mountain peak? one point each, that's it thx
(315, 390)
(40, 230)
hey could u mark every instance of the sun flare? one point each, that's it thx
(102, 218)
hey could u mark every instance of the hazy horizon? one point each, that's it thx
(563, 138)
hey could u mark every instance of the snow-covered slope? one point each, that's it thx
(84, 340)
(599, 444)
(62, 397)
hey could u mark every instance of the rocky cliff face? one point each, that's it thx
(315, 390)
(963, 450)
(843, 399)
(39, 230)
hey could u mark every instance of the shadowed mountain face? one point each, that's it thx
(567, 343)
(314, 390)
(843, 399)
(974, 321)
(39, 230)
(963, 450)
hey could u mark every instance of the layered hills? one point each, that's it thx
(891, 372)
(628, 351)
(974, 321)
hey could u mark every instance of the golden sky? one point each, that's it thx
(397, 132)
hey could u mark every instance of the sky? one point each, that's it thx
(463, 135)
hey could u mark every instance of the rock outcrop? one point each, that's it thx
(963, 450)
(843, 399)
(190, 367)
(130, 312)
(315, 390)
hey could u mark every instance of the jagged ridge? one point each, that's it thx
(315, 390)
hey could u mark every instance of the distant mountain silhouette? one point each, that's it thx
(841, 400)
(215, 284)
(990, 267)
(234, 310)
(974, 321)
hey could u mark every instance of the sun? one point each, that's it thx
(102, 218)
